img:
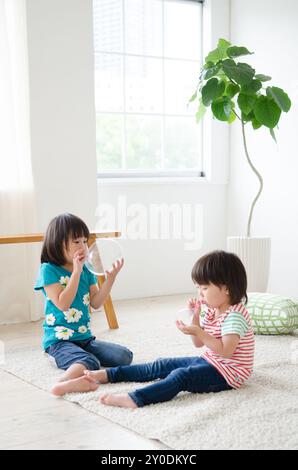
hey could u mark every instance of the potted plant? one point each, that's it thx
(233, 90)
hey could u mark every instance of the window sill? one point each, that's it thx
(153, 180)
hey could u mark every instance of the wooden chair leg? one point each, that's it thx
(109, 308)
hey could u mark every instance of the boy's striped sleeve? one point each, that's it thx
(235, 323)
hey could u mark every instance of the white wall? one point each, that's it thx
(63, 148)
(269, 28)
(157, 267)
(60, 48)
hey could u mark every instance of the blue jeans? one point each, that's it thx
(91, 353)
(191, 374)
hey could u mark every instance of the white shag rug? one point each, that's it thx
(261, 415)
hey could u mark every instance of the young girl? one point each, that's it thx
(225, 330)
(69, 288)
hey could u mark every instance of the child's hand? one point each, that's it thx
(111, 275)
(78, 260)
(191, 303)
(195, 306)
(187, 329)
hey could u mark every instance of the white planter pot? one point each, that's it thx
(254, 253)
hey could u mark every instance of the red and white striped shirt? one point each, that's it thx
(236, 320)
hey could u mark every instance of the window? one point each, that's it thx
(147, 63)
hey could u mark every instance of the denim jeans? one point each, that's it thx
(91, 353)
(191, 374)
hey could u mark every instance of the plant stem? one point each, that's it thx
(259, 178)
(236, 114)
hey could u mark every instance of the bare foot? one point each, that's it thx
(122, 400)
(73, 372)
(81, 384)
(98, 376)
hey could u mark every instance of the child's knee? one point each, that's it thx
(126, 357)
(92, 363)
(180, 375)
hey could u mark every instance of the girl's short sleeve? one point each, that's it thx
(47, 275)
(92, 279)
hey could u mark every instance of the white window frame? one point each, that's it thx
(161, 174)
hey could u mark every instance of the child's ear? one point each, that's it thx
(225, 289)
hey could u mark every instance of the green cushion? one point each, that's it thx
(272, 314)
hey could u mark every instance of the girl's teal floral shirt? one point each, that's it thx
(74, 323)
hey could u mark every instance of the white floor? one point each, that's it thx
(32, 419)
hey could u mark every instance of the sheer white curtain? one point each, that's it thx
(18, 263)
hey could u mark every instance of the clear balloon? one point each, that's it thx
(185, 315)
(102, 254)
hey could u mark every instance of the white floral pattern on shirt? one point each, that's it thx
(50, 319)
(72, 315)
(63, 333)
(86, 299)
(64, 281)
(83, 329)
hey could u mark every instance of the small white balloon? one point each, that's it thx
(102, 254)
(185, 315)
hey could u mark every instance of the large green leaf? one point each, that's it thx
(241, 73)
(212, 90)
(280, 97)
(231, 90)
(263, 78)
(219, 53)
(208, 65)
(251, 87)
(211, 71)
(247, 117)
(235, 51)
(222, 108)
(255, 123)
(246, 102)
(205, 67)
(233, 115)
(267, 112)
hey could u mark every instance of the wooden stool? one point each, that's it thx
(38, 237)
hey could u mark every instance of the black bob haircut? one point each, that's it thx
(60, 230)
(222, 268)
